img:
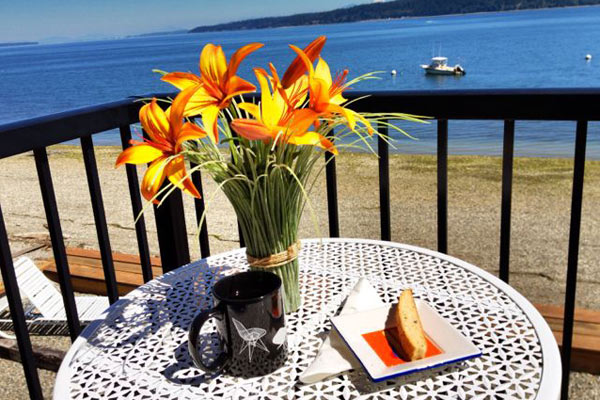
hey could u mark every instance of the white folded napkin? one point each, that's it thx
(334, 356)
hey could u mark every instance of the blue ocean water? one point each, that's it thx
(523, 49)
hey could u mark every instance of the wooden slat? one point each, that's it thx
(45, 357)
(581, 314)
(90, 278)
(122, 257)
(87, 273)
(585, 355)
(585, 352)
(119, 265)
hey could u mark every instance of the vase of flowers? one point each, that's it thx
(260, 152)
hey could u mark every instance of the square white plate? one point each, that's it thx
(453, 345)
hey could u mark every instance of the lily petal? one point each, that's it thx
(268, 113)
(239, 56)
(313, 139)
(177, 174)
(252, 109)
(189, 131)
(297, 92)
(213, 64)
(181, 80)
(236, 86)
(319, 95)
(323, 72)
(302, 119)
(210, 116)
(307, 62)
(138, 154)
(153, 179)
(251, 129)
(177, 109)
(154, 121)
(298, 67)
(277, 86)
(197, 102)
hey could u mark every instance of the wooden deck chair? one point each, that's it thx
(44, 310)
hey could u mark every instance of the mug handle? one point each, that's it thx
(199, 320)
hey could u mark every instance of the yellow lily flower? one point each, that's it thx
(167, 132)
(276, 120)
(326, 93)
(295, 95)
(216, 86)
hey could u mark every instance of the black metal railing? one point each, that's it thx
(37, 134)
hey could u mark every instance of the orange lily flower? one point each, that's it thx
(275, 120)
(293, 87)
(326, 93)
(298, 68)
(167, 133)
(216, 86)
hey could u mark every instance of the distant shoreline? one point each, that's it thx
(464, 14)
(10, 44)
(224, 26)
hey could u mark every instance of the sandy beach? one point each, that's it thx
(540, 223)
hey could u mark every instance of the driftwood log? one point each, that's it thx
(46, 357)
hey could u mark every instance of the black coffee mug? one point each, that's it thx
(250, 321)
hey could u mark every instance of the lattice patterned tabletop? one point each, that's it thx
(140, 350)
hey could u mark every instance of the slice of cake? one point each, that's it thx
(410, 330)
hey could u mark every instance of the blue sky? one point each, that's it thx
(43, 19)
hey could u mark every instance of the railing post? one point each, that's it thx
(58, 244)
(384, 184)
(18, 317)
(172, 232)
(442, 184)
(332, 203)
(91, 170)
(241, 236)
(507, 174)
(136, 206)
(200, 211)
(239, 227)
(574, 232)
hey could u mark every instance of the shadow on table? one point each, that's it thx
(137, 329)
(183, 371)
(365, 386)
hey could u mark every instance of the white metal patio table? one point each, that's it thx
(139, 350)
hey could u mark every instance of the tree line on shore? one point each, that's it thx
(392, 9)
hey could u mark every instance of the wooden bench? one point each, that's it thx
(88, 277)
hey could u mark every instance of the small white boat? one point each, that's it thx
(439, 66)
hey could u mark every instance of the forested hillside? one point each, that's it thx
(393, 9)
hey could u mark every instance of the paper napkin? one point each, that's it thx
(334, 356)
